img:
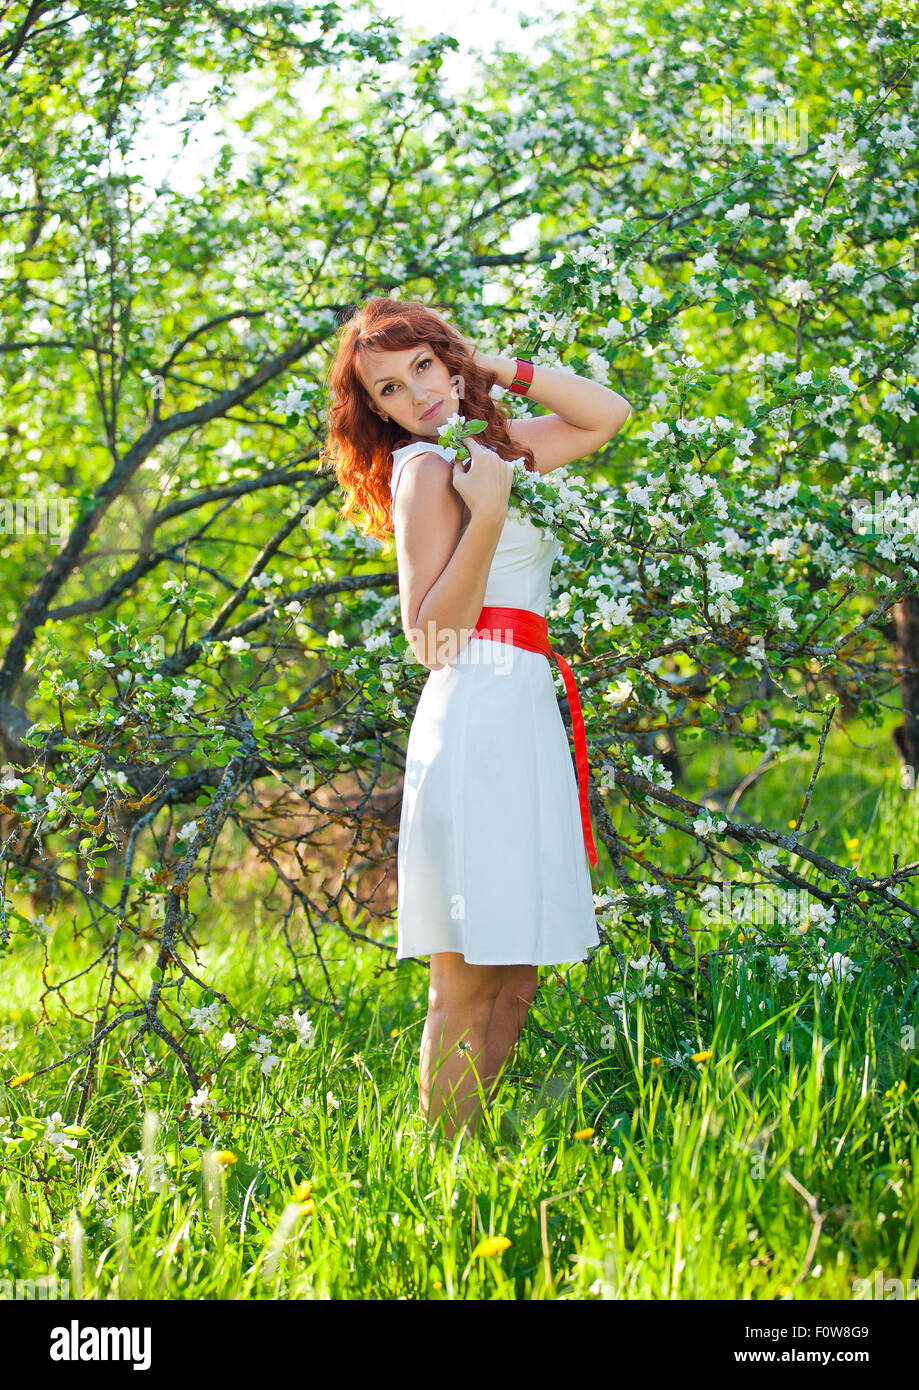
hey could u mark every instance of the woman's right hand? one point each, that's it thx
(484, 481)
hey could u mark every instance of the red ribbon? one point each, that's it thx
(523, 628)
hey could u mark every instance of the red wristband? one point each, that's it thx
(522, 378)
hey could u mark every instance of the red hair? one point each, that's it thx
(359, 444)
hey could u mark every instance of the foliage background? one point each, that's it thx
(204, 691)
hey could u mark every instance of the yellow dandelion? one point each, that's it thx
(491, 1245)
(853, 843)
(655, 1061)
(303, 1191)
(393, 1032)
(224, 1156)
(438, 1284)
(308, 1208)
(583, 1134)
(21, 1080)
(702, 1056)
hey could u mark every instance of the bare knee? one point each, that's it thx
(458, 987)
(519, 987)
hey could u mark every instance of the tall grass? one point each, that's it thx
(733, 1135)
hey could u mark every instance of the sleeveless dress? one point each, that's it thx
(491, 857)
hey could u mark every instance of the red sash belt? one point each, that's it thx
(523, 628)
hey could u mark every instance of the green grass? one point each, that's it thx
(782, 1166)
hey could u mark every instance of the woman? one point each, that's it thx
(493, 879)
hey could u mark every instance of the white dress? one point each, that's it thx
(491, 856)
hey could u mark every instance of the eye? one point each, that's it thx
(425, 362)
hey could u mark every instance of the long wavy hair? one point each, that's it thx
(359, 443)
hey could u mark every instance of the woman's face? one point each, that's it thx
(412, 386)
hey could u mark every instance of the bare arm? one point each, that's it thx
(442, 575)
(585, 415)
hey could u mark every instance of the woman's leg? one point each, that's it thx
(512, 1005)
(461, 998)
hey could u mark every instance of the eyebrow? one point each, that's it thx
(411, 364)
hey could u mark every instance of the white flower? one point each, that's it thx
(842, 374)
(597, 366)
(292, 402)
(304, 1028)
(639, 495)
(55, 1138)
(615, 612)
(227, 1042)
(132, 1164)
(187, 831)
(237, 645)
(794, 291)
(204, 1020)
(611, 331)
(335, 639)
(200, 1101)
(620, 692)
(841, 967)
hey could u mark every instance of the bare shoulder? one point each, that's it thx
(425, 490)
(427, 516)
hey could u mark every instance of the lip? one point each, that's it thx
(433, 411)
